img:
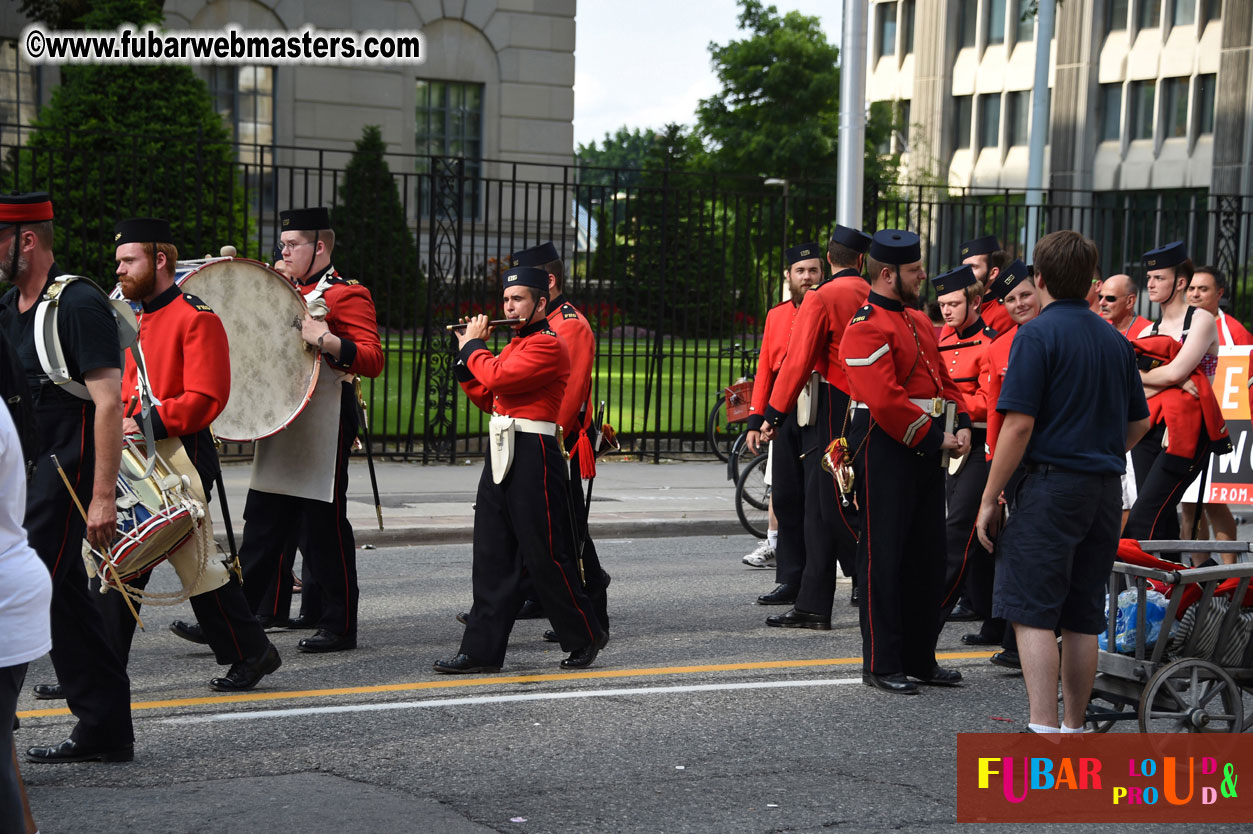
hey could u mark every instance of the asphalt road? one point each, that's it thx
(696, 718)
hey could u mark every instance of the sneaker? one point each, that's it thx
(762, 557)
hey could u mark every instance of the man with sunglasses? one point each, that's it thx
(1117, 298)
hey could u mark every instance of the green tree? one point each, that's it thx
(625, 150)
(373, 242)
(119, 141)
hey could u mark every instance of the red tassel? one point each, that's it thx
(587, 459)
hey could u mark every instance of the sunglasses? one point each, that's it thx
(1110, 299)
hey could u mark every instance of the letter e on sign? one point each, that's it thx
(1231, 382)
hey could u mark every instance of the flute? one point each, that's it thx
(492, 323)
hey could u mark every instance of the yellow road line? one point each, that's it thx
(452, 683)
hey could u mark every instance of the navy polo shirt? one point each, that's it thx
(1077, 377)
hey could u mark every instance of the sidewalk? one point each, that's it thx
(435, 504)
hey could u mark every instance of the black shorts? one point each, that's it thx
(1055, 554)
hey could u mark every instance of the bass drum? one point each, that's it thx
(273, 370)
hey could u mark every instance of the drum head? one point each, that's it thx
(273, 371)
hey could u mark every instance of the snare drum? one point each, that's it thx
(273, 370)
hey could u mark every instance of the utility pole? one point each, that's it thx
(852, 137)
(1039, 123)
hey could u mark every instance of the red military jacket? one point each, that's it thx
(815, 343)
(1183, 414)
(991, 378)
(352, 319)
(774, 342)
(992, 311)
(527, 379)
(1231, 331)
(1137, 326)
(572, 326)
(891, 357)
(188, 362)
(963, 354)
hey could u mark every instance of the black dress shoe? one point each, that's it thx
(191, 632)
(248, 673)
(72, 751)
(302, 621)
(799, 619)
(896, 683)
(273, 623)
(550, 636)
(978, 638)
(1007, 658)
(530, 610)
(462, 616)
(462, 664)
(581, 658)
(327, 641)
(782, 595)
(940, 676)
(854, 598)
(962, 613)
(48, 691)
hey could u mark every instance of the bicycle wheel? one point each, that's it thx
(738, 457)
(713, 432)
(752, 497)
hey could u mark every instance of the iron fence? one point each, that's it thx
(671, 268)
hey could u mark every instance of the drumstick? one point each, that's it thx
(110, 564)
(130, 406)
(492, 323)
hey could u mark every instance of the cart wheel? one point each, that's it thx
(1099, 706)
(1191, 696)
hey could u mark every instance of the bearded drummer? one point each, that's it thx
(188, 366)
(300, 474)
(78, 419)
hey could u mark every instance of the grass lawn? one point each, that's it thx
(624, 376)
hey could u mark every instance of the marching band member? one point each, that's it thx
(899, 387)
(985, 256)
(812, 365)
(787, 473)
(521, 515)
(188, 366)
(300, 475)
(81, 430)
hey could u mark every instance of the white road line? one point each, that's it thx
(501, 699)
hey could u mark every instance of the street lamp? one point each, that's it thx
(775, 182)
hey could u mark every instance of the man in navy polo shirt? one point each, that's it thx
(1070, 375)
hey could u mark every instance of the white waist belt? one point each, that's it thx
(978, 425)
(922, 402)
(535, 426)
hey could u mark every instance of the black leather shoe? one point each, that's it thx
(550, 636)
(978, 638)
(781, 595)
(273, 623)
(962, 613)
(799, 619)
(1007, 658)
(854, 598)
(191, 632)
(327, 641)
(302, 621)
(940, 676)
(896, 683)
(581, 658)
(462, 664)
(462, 616)
(530, 610)
(71, 751)
(48, 691)
(248, 673)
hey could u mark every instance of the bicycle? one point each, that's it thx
(752, 497)
(720, 433)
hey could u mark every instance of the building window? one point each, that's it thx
(902, 134)
(1116, 15)
(996, 21)
(1142, 95)
(1149, 13)
(989, 120)
(1019, 117)
(1205, 85)
(1175, 106)
(969, 23)
(1183, 12)
(961, 121)
(908, 7)
(19, 93)
(1212, 9)
(1110, 102)
(244, 98)
(885, 29)
(1024, 21)
(450, 123)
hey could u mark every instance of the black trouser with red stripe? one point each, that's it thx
(900, 558)
(325, 538)
(965, 556)
(88, 668)
(523, 523)
(830, 527)
(595, 579)
(276, 601)
(1161, 479)
(787, 493)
